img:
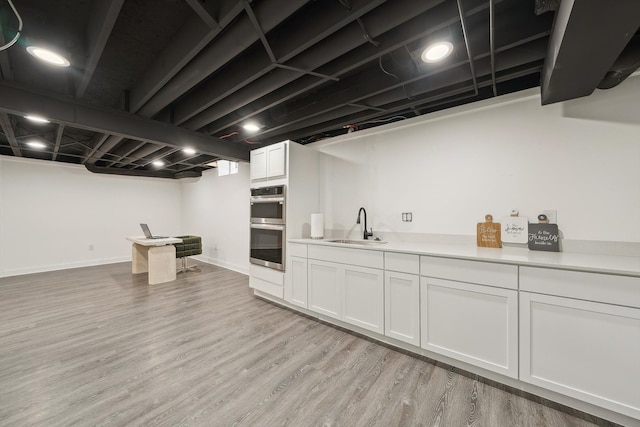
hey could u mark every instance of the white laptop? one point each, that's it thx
(148, 235)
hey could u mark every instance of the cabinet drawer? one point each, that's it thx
(607, 288)
(267, 287)
(404, 263)
(267, 274)
(484, 273)
(297, 249)
(360, 257)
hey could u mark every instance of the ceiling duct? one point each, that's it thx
(626, 64)
(544, 6)
(587, 38)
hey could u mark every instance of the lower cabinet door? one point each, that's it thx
(295, 284)
(324, 287)
(587, 350)
(473, 323)
(363, 297)
(402, 307)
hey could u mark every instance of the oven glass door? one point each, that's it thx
(267, 210)
(267, 245)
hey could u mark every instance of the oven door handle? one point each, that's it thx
(267, 200)
(268, 227)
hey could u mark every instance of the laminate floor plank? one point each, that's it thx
(99, 346)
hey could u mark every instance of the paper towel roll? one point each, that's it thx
(317, 226)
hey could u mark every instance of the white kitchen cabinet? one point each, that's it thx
(344, 284)
(258, 161)
(363, 297)
(324, 281)
(295, 285)
(583, 349)
(269, 162)
(473, 323)
(402, 306)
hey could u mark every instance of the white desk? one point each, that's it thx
(155, 256)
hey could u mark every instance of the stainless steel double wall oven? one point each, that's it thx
(267, 241)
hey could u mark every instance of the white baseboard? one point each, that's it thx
(65, 266)
(88, 263)
(243, 269)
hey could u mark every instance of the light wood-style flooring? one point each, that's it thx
(99, 346)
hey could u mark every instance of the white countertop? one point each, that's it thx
(598, 263)
(141, 240)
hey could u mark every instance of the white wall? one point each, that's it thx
(450, 168)
(217, 208)
(50, 214)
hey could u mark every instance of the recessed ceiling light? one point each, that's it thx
(157, 163)
(188, 151)
(251, 127)
(437, 52)
(37, 119)
(36, 144)
(48, 56)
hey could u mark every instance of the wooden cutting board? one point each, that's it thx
(514, 228)
(544, 236)
(489, 233)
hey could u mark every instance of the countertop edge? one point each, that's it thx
(583, 262)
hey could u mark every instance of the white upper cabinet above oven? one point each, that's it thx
(269, 162)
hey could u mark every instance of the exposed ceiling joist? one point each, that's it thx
(103, 18)
(203, 13)
(302, 69)
(231, 43)
(9, 133)
(587, 38)
(192, 38)
(17, 100)
(59, 133)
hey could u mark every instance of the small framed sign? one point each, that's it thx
(488, 233)
(544, 236)
(514, 228)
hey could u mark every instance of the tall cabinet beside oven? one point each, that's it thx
(297, 168)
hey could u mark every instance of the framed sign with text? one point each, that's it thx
(544, 237)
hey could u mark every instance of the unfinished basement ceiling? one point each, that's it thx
(151, 77)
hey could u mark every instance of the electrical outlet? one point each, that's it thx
(552, 215)
(407, 216)
(91, 247)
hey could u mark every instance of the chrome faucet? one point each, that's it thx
(366, 233)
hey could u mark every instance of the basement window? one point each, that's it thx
(225, 167)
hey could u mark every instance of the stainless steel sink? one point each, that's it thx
(356, 242)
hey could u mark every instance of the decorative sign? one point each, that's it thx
(514, 228)
(489, 233)
(544, 237)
